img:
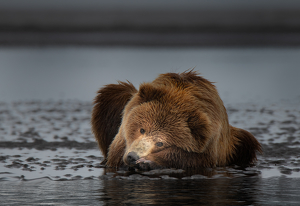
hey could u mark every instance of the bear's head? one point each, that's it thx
(158, 122)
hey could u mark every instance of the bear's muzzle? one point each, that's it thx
(132, 158)
(134, 161)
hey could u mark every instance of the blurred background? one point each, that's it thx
(57, 50)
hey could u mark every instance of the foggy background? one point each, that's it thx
(59, 50)
(149, 23)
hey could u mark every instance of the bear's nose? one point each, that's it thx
(132, 157)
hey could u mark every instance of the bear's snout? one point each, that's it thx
(132, 157)
(134, 161)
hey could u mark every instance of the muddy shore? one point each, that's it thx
(41, 138)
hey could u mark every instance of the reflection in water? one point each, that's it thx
(225, 191)
(245, 190)
(171, 187)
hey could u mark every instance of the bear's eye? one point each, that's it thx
(142, 131)
(159, 144)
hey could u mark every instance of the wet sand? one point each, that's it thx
(49, 145)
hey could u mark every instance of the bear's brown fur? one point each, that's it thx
(176, 121)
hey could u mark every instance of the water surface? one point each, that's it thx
(241, 75)
(48, 154)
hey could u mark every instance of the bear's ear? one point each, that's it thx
(107, 112)
(246, 147)
(148, 92)
(200, 127)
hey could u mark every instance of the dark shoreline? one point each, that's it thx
(150, 39)
(191, 27)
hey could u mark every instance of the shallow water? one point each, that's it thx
(55, 73)
(221, 191)
(48, 154)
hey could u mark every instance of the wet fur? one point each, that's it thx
(211, 141)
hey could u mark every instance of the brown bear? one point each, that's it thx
(176, 121)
